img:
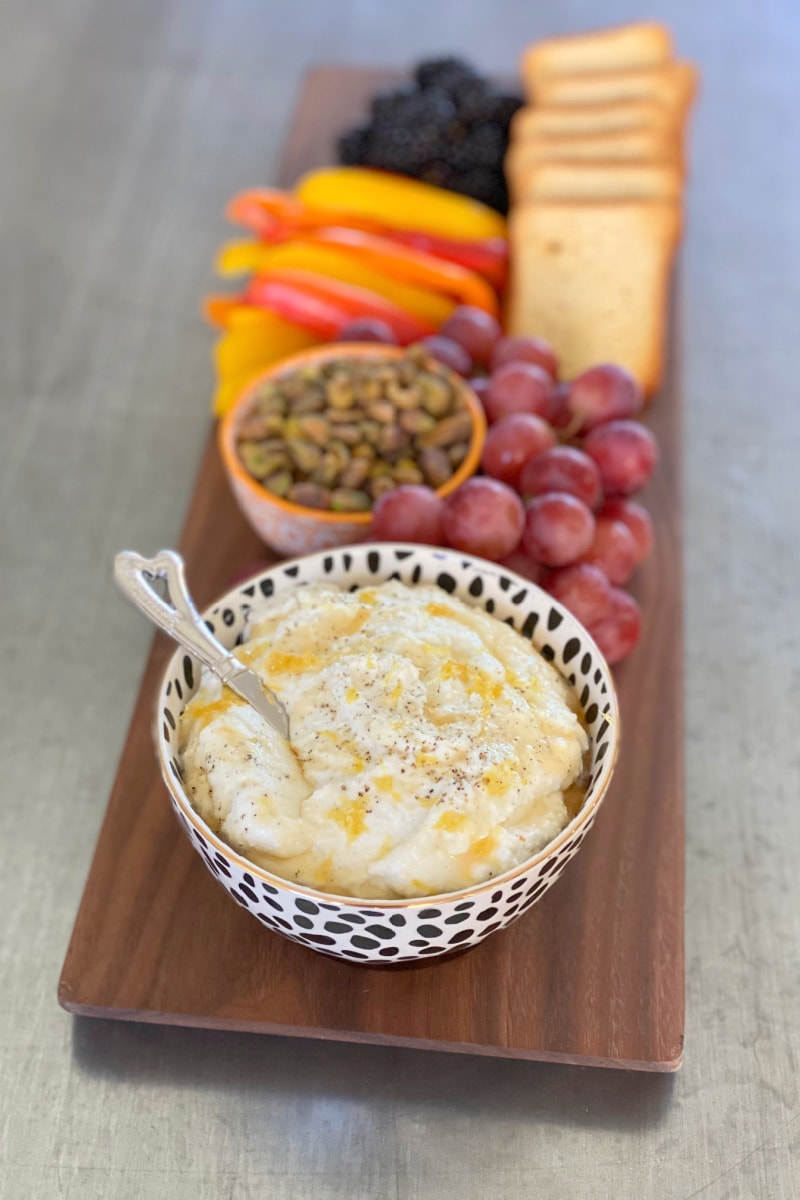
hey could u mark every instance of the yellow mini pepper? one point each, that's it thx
(253, 339)
(236, 258)
(399, 202)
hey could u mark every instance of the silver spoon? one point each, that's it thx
(177, 616)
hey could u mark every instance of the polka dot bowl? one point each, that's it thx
(396, 931)
(290, 528)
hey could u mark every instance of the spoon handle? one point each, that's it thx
(177, 616)
(175, 613)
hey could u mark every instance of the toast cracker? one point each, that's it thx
(578, 120)
(592, 279)
(641, 45)
(673, 84)
(650, 145)
(548, 181)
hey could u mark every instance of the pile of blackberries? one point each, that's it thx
(448, 127)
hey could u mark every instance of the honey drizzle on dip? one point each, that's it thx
(432, 745)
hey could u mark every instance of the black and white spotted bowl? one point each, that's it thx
(395, 931)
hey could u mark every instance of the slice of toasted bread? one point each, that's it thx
(673, 84)
(578, 120)
(599, 181)
(649, 145)
(641, 45)
(593, 279)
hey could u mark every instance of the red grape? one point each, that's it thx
(522, 564)
(625, 452)
(480, 386)
(477, 331)
(613, 550)
(559, 529)
(409, 513)
(483, 517)
(519, 387)
(560, 416)
(511, 441)
(603, 393)
(562, 469)
(367, 329)
(619, 630)
(583, 589)
(449, 353)
(638, 521)
(525, 349)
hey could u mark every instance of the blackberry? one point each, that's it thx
(456, 131)
(486, 145)
(412, 109)
(387, 105)
(430, 145)
(439, 105)
(391, 149)
(504, 110)
(440, 174)
(408, 150)
(459, 154)
(448, 127)
(483, 184)
(474, 99)
(443, 72)
(352, 147)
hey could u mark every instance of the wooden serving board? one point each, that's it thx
(593, 974)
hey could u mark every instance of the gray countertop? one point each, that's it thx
(124, 126)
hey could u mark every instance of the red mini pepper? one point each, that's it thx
(488, 258)
(325, 305)
(413, 266)
(262, 209)
(297, 305)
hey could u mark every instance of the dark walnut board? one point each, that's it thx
(593, 974)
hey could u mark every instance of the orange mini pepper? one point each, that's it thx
(487, 257)
(263, 207)
(412, 266)
(236, 258)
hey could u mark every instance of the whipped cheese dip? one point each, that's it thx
(432, 747)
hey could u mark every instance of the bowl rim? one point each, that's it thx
(581, 818)
(226, 432)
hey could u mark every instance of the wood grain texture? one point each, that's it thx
(593, 974)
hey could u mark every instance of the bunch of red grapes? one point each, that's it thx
(560, 464)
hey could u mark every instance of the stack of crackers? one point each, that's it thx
(595, 171)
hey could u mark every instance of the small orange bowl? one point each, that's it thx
(292, 529)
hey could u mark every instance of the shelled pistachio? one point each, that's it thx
(337, 435)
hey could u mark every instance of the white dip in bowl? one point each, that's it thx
(432, 746)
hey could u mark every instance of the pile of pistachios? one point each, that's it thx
(337, 434)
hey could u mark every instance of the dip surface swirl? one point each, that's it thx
(432, 747)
